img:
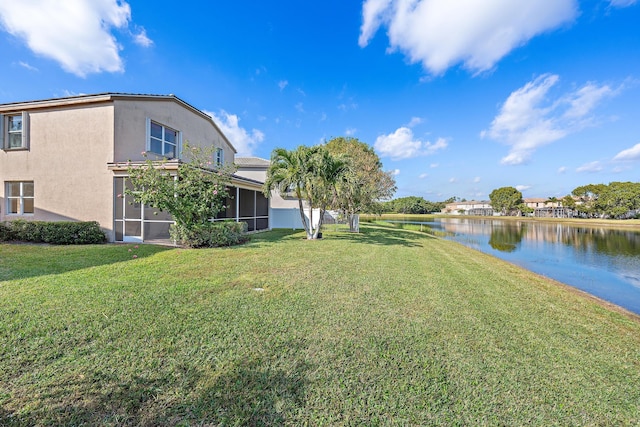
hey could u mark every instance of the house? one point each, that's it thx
(67, 159)
(472, 207)
(546, 208)
(284, 209)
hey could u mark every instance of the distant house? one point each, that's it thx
(472, 207)
(545, 208)
(67, 159)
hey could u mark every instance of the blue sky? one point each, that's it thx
(457, 97)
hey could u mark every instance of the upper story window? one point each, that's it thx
(20, 197)
(14, 130)
(163, 140)
(219, 156)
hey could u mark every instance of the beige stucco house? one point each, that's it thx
(66, 159)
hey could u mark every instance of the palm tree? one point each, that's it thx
(287, 172)
(311, 173)
(328, 171)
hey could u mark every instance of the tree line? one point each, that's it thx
(412, 205)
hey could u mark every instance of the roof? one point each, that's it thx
(535, 200)
(105, 97)
(252, 162)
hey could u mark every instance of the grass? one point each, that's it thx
(385, 327)
(592, 222)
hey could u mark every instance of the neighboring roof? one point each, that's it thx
(469, 202)
(251, 162)
(106, 97)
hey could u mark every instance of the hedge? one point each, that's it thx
(211, 234)
(58, 232)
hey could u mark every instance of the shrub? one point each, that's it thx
(58, 233)
(210, 234)
(6, 232)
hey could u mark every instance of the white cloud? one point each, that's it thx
(529, 119)
(401, 144)
(414, 122)
(27, 66)
(243, 141)
(350, 131)
(282, 84)
(75, 33)
(299, 107)
(632, 153)
(453, 180)
(476, 179)
(434, 165)
(562, 169)
(442, 33)
(622, 3)
(522, 187)
(423, 175)
(348, 106)
(141, 38)
(590, 167)
(395, 172)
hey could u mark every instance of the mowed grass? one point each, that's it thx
(385, 327)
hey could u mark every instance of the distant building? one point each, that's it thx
(472, 207)
(541, 208)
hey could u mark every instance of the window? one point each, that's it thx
(163, 140)
(19, 197)
(14, 131)
(219, 157)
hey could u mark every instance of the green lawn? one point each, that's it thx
(386, 327)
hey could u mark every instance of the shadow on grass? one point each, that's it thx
(383, 235)
(21, 261)
(253, 392)
(374, 234)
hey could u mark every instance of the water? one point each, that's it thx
(604, 262)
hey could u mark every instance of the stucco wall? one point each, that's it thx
(130, 127)
(68, 152)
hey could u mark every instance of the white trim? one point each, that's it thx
(25, 129)
(147, 143)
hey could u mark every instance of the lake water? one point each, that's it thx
(604, 262)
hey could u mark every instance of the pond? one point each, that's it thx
(604, 262)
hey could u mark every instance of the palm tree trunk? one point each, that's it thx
(307, 227)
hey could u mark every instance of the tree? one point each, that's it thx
(364, 183)
(505, 200)
(568, 202)
(329, 173)
(311, 173)
(618, 199)
(193, 192)
(588, 196)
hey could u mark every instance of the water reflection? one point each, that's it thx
(506, 238)
(602, 261)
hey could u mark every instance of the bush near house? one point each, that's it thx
(57, 233)
(210, 234)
